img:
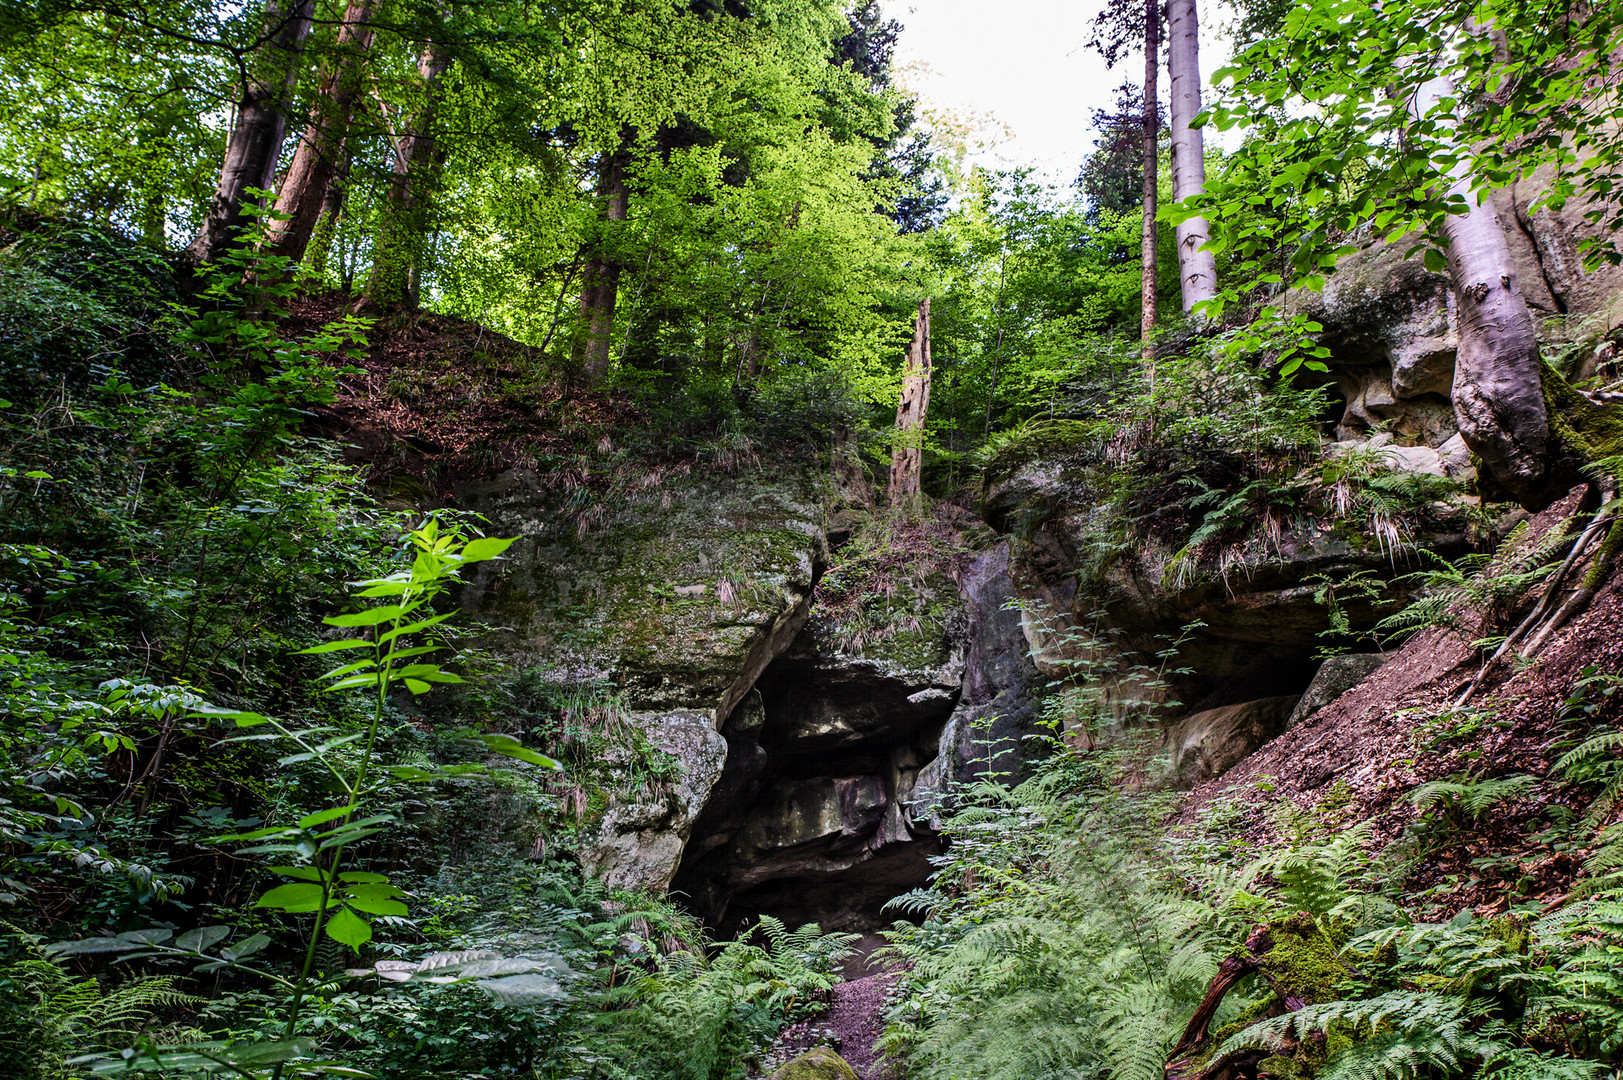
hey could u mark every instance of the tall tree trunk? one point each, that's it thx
(321, 148)
(261, 125)
(600, 280)
(907, 460)
(332, 207)
(405, 205)
(1152, 68)
(1498, 374)
(1197, 270)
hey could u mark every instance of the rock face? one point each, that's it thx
(638, 843)
(1335, 677)
(681, 594)
(997, 707)
(675, 597)
(815, 817)
(1210, 743)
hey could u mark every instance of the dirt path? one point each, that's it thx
(852, 1025)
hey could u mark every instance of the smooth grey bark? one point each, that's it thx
(320, 154)
(260, 128)
(600, 281)
(1197, 269)
(1498, 374)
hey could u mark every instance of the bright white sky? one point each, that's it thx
(1027, 63)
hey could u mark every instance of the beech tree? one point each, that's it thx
(304, 195)
(260, 125)
(1402, 121)
(1197, 266)
(396, 258)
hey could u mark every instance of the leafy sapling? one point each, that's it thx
(394, 641)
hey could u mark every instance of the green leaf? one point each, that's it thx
(303, 873)
(324, 816)
(348, 928)
(296, 897)
(336, 646)
(376, 905)
(1435, 261)
(246, 947)
(508, 746)
(90, 945)
(203, 937)
(486, 548)
(369, 617)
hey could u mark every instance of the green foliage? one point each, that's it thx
(1054, 940)
(1477, 592)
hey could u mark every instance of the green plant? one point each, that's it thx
(342, 901)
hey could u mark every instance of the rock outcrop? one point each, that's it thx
(681, 594)
(997, 709)
(638, 842)
(814, 816)
(1207, 744)
(810, 819)
(1335, 677)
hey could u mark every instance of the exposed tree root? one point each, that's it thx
(1540, 623)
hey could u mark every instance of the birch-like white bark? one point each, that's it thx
(1197, 269)
(1152, 68)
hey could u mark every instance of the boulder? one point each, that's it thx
(1335, 677)
(1210, 743)
(819, 1064)
(638, 842)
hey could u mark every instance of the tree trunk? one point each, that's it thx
(261, 124)
(1197, 270)
(332, 206)
(1152, 67)
(600, 281)
(405, 204)
(1498, 374)
(907, 460)
(321, 149)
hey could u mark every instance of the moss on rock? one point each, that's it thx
(1305, 960)
(819, 1064)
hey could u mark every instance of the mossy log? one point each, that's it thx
(1299, 958)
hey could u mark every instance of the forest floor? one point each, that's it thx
(1360, 758)
(852, 1025)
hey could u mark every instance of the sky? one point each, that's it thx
(1026, 62)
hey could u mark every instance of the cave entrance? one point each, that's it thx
(811, 820)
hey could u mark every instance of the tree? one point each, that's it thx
(1117, 28)
(1498, 391)
(600, 280)
(1197, 267)
(1403, 120)
(907, 459)
(303, 198)
(255, 145)
(397, 257)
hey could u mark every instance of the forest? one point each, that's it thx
(610, 541)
